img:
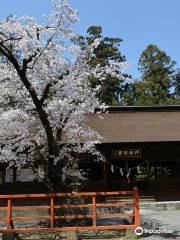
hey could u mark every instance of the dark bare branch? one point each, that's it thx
(29, 34)
(37, 33)
(26, 61)
(48, 42)
(8, 54)
(10, 39)
(45, 93)
(60, 130)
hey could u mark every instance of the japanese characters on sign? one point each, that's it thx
(127, 153)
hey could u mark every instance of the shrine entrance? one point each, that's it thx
(127, 167)
(154, 168)
(127, 173)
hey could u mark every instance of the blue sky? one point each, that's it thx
(137, 22)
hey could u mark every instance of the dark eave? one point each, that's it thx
(157, 108)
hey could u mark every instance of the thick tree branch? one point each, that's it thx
(45, 93)
(28, 60)
(8, 54)
(41, 112)
(60, 130)
(40, 54)
(37, 33)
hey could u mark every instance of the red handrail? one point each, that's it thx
(52, 206)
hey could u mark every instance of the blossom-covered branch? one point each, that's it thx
(45, 92)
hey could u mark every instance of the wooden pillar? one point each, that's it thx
(3, 175)
(148, 176)
(178, 170)
(8, 217)
(136, 207)
(94, 210)
(14, 175)
(155, 171)
(52, 212)
(13, 189)
(130, 233)
(104, 176)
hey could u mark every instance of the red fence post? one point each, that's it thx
(8, 218)
(94, 210)
(136, 207)
(52, 212)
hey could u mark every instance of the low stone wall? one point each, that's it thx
(161, 206)
(27, 213)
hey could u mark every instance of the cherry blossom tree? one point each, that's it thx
(45, 93)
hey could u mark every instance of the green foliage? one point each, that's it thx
(128, 94)
(157, 78)
(176, 83)
(112, 87)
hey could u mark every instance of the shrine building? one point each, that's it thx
(141, 146)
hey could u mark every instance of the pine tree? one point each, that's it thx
(157, 77)
(111, 89)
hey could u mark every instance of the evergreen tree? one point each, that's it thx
(157, 77)
(128, 93)
(111, 89)
(176, 84)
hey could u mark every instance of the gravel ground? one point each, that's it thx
(151, 220)
(168, 219)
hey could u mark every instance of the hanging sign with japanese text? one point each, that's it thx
(127, 153)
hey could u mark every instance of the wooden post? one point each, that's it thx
(8, 219)
(148, 176)
(104, 175)
(52, 212)
(8, 236)
(130, 233)
(94, 210)
(136, 207)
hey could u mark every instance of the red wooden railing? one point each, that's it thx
(9, 203)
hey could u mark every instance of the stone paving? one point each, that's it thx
(150, 219)
(166, 220)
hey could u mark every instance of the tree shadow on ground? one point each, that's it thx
(157, 229)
